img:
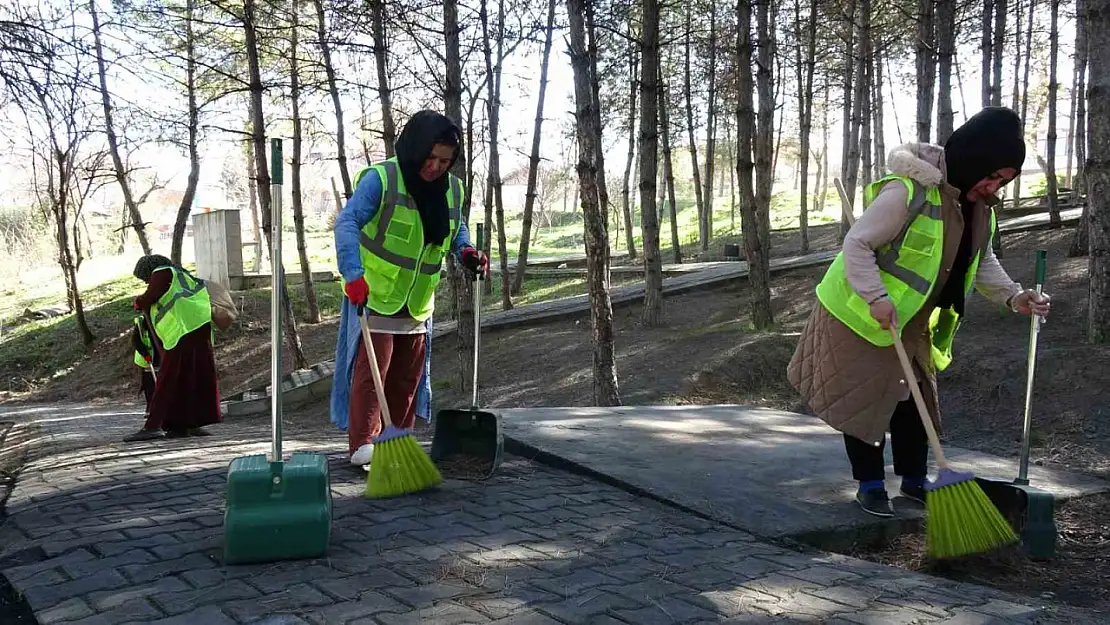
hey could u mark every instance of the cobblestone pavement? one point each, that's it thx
(109, 533)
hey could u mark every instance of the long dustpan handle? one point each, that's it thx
(915, 390)
(477, 323)
(1031, 365)
(374, 371)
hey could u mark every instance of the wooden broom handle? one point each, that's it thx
(915, 390)
(374, 371)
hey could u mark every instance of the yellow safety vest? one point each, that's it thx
(183, 308)
(909, 267)
(400, 269)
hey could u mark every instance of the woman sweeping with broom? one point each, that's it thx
(390, 239)
(909, 263)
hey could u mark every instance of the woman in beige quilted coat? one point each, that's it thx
(857, 387)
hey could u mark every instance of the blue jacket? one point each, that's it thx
(358, 212)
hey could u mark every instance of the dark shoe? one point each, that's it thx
(199, 432)
(177, 433)
(916, 493)
(876, 502)
(143, 435)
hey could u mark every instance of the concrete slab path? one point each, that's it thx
(772, 473)
(106, 533)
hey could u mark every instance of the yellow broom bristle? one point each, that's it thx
(962, 520)
(400, 467)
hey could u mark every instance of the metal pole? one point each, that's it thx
(276, 176)
(1030, 367)
(477, 324)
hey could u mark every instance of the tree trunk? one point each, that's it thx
(333, 88)
(265, 200)
(946, 49)
(866, 103)
(186, 205)
(710, 128)
(1097, 171)
(110, 131)
(731, 178)
(381, 60)
(599, 146)
(926, 69)
(880, 135)
(986, 49)
(649, 165)
(699, 199)
(1017, 55)
(745, 133)
(605, 389)
(295, 165)
(1053, 87)
(668, 166)
(1025, 85)
(534, 159)
(804, 73)
(461, 287)
(1080, 244)
(998, 51)
(823, 178)
(849, 29)
(626, 189)
(252, 199)
(493, 112)
(851, 179)
(764, 149)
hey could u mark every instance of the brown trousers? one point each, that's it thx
(401, 363)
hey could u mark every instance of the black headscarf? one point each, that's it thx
(147, 264)
(991, 140)
(423, 131)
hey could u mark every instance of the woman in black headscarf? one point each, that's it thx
(390, 241)
(897, 268)
(186, 394)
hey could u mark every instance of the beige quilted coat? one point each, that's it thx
(851, 384)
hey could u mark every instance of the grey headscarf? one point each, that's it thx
(147, 264)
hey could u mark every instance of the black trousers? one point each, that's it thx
(147, 385)
(908, 443)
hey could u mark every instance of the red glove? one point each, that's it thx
(147, 358)
(135, 305)
(475, 260)
(357, 291)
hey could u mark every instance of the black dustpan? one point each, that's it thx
(470, 440)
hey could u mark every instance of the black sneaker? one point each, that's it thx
(876, 502)
(916, 493)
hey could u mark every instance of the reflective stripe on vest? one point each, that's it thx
(399, 268)
(183, 308)
(144, 338)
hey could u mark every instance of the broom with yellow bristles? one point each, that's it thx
(400, 465)
(962, 519)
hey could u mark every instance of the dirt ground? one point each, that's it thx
(706, 352)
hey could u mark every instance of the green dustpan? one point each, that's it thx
(470, 436)
(277, 509)
(1031, 511)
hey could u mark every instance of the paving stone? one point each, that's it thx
(429, 594)
(446, 613)
(369, 603)
(141, 573)
(49, 577)
(575, 583)
(665, 611)
(96, 565)
(281, 619)
(750, 567)
(353, 586)
(295, 599)
(275, 581)
(130, 612)
(114, 548)
(70, 610)
(66, 541)
(888, 615)
(780, 586)
(583, 607)
(21, 573)
(824, 575)
(171, 528)
(854, 596)
(512, 600)
(185, 600)
(998, 607)
(42, 597)
(527, 618)
(738, 601)
(109, 599)
(208, 615)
